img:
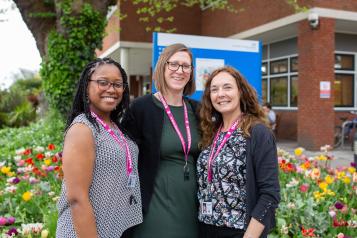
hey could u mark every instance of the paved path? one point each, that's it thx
(344, 156)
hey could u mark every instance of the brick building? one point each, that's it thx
(296, 56)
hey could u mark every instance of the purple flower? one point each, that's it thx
(353, 164)
(16, 180)
(11, 220)
(339, 205)
(12, 231)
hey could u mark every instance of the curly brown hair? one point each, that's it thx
(249, 105)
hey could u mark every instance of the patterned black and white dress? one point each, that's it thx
(109, 195)
(227, 191)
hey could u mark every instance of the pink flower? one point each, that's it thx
(304, 187)
(3, 221)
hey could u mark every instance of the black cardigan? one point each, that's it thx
(263, 190)
(144, 122)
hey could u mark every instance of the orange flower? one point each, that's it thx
(308, 232)
(51, 147)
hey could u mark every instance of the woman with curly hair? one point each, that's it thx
(238, 168)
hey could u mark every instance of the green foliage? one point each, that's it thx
(16, 108)
(69, 51)
(45, 131)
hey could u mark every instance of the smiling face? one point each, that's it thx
(176, 80)
(224, 94)
(103, 100)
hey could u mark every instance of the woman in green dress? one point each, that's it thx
(165, 126)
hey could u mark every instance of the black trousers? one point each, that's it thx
(211, 231)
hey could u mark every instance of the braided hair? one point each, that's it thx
(81, 101)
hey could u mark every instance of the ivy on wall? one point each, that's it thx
(69, 50)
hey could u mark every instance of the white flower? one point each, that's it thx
(48, 154)
(10, 189)
(20, 151)
(31, 228)
(291, 205)
(292, 183)
(39, 149)
(17, 158)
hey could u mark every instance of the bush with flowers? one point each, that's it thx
(316, 199)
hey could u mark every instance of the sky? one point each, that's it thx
(17, 45)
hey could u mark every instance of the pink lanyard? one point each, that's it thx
(129, 162)
(214, 155)
(174, 124)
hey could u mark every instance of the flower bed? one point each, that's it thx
(29, 188)
(316, 200)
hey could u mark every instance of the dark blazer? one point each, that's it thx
(263, 190)
(144, 122)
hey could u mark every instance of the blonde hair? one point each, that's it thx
(159, 73)
(249, 105)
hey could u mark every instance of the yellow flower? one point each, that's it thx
(346, 180)
(27, 196)
(44, 233)
(322, 158)
(318, 196)
(5, 170)
(298, 151)
(341, 175)
(329, 179)
(47, 161)
(323, 186)
(329, 192)
(351, 170)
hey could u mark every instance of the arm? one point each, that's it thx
(264, 156)
(78, 163)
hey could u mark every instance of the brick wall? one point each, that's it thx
(316, 117)
(186, 20)
(287, 125)
(112, 33)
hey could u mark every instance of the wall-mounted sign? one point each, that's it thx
(210, 53)
(325, 89)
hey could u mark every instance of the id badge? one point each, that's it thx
(131, 181)
(206, 208)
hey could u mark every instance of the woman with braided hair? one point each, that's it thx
(100, 194)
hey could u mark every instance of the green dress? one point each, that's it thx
(173, 207)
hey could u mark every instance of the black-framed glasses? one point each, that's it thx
(105, 85)
(174, 66)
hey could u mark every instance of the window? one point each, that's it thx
(279, 67)
(294, 64)
(279, 91)
(264, 89)
(264, 69)
(343, 89)
(344, 62)
(294, 91)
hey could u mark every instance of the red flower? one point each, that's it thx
(51, 147)
(308, 232)
(337, 223)
(29, 161)
(40, 156)
(36, 171)
(54, 159)
(27, 152)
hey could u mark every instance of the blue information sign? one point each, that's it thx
(210, 53)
